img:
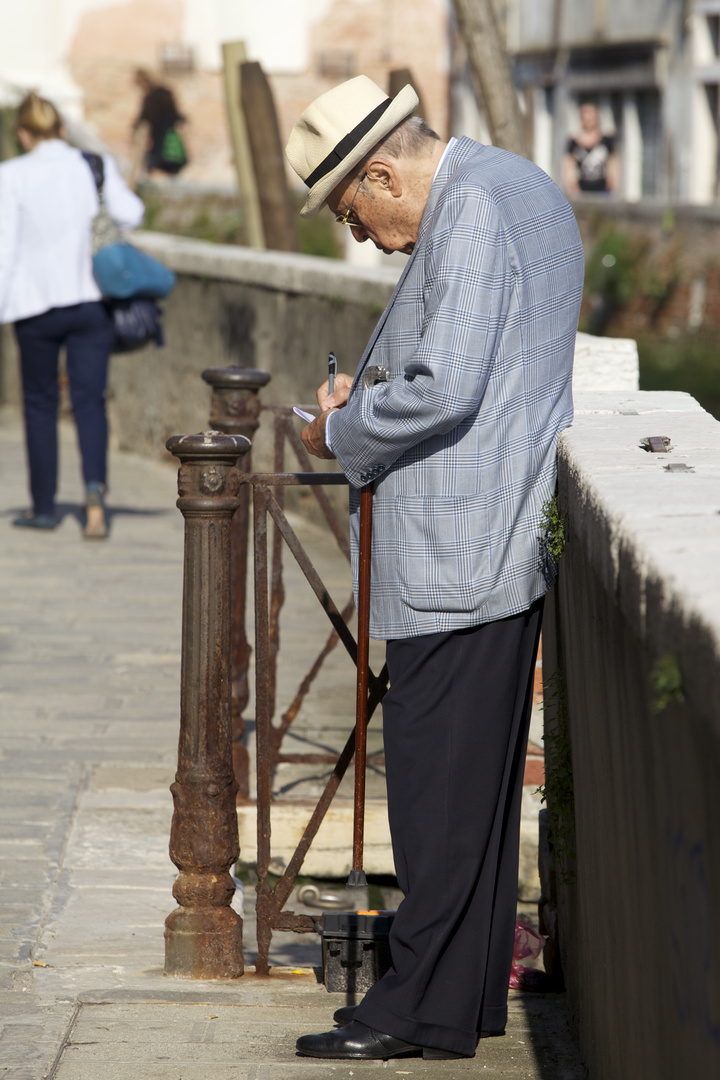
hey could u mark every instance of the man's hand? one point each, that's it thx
(313, 436)
(337, 399)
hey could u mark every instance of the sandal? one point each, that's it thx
(96, 525)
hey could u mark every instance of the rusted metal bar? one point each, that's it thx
(277, 588)
(325, 505)
(269, 911)
(271, 900)
(203, 936)
(363, 667)
(279, 732)
(297, 479)
(377, 758)
(264, 910)
(310, 572)
(235, 409)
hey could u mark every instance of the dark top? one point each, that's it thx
(592, 162)
(160, 112)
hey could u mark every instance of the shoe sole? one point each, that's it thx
(425, 1052)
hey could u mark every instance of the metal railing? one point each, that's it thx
(202, 935)
(271, 899)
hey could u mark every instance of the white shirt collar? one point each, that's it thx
(446, 151)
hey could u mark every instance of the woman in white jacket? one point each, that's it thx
(48, 200)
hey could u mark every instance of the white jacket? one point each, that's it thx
(48, 199)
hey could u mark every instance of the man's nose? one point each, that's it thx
(359, 233)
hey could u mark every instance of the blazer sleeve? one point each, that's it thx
(468, 281)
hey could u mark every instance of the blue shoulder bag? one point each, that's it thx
(129, 279)
(121, 270)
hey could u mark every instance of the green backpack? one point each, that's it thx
(172, 153)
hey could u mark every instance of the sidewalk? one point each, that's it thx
(89, 704)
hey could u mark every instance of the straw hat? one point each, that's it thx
(338, 130)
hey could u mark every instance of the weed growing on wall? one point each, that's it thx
(558, 790)
(552, 538)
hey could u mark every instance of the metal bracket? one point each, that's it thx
(656, 444)
(374, 374)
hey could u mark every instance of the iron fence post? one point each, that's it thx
(203, 936)
(235, 409)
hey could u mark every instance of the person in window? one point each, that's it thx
(590, 162)
(48, 200)
(158, 144)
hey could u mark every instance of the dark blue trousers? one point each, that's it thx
(86, 331)
(455, 723)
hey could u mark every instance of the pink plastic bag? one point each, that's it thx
(528, 943)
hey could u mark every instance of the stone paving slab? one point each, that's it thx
(254, 1041)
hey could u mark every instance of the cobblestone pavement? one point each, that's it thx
(89, 702)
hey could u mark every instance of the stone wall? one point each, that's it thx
(633, 630)
(276, 312)
(233, 306)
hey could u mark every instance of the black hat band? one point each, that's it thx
(347, 144)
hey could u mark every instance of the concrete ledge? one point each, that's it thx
(603, 363)
(633, 628)
(304, 275)
(628, 507)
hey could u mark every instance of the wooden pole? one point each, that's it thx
(492, 74)
(234, 55)
(276, 207)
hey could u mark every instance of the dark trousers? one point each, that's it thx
(86, 331)
(455, 723)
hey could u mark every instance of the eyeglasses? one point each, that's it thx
(345, 219)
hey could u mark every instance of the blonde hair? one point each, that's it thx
(38, 117)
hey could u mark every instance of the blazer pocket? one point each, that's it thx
(444, 552)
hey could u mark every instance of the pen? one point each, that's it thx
(332, 372)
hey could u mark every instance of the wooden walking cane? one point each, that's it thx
(357, 879)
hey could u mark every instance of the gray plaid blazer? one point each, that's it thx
(461, 440)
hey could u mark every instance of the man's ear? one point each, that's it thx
(385, 175)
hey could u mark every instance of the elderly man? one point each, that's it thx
(454, 413)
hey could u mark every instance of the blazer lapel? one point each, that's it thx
(456, 155)
(381, 322)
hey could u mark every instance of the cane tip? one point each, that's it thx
(357, 880)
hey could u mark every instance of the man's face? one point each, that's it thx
(375, 214)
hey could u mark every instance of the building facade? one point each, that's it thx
(652, 66)
(83, 53)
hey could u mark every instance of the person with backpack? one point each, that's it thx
(159, 144)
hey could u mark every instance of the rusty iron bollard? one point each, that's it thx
(203, 936)
(235, 409)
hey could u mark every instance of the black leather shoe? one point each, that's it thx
(346, 1014)
(357, 1041)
